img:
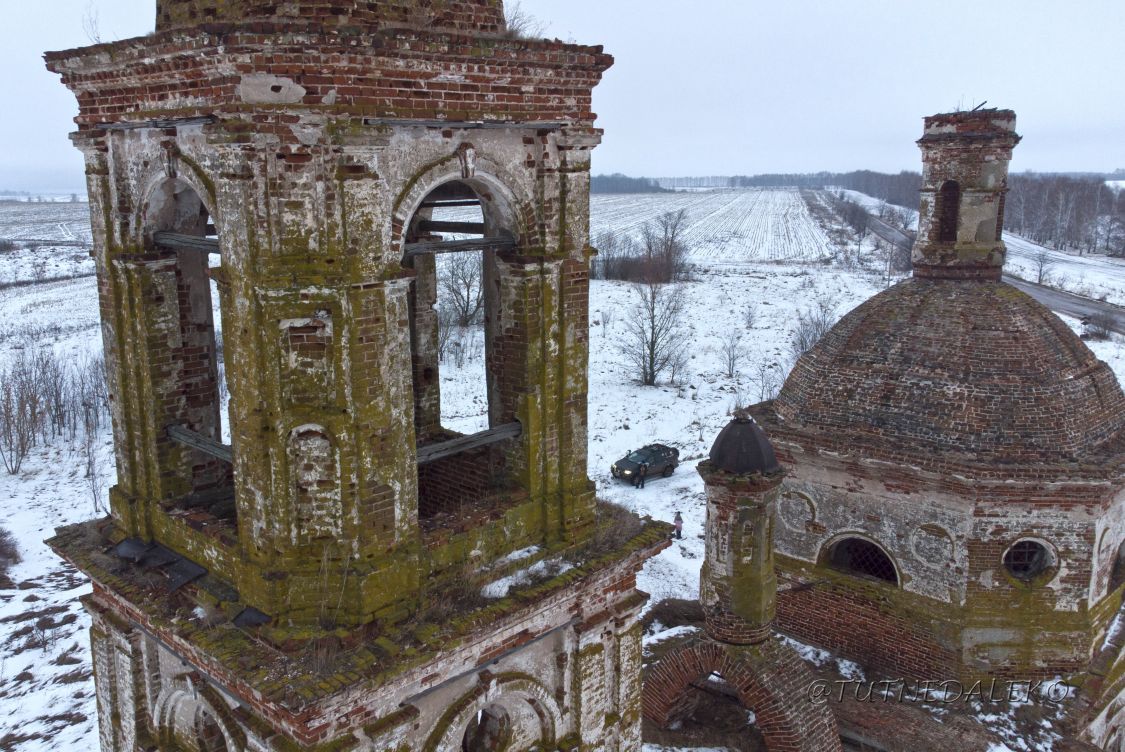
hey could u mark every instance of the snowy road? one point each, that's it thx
(1070, 304)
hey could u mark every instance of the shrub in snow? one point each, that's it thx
(9, 551)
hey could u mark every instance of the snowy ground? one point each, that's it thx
(1095, 276)
(46, 691)
(756, 250)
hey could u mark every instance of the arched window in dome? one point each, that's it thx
(862, 558)
(948, 211)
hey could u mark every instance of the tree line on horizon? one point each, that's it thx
(618, 183)
(1066, 211)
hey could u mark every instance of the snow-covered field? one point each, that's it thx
(754, 250)
(54, 221)
(46, 690)
(724, 227)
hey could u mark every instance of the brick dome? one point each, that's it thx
(965, 366)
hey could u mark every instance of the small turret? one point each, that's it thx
(965, 159)
(738, 587)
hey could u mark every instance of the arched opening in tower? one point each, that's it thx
(490, 730)
(452, 243)
(948, 211)
(209, 736)
(193, 395)
(1117, 574)
(457, 382)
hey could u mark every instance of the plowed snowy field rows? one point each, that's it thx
(21, 220)
(723, 227)
(735, 226)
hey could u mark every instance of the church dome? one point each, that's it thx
(967, 366)
(742, 448)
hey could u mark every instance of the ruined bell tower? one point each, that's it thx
(273, 189)
(965, 158)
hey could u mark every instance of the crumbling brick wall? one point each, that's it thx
(464, 15)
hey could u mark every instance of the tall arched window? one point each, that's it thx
(948, 210)
(1000, 211)
(454, 245)
(861, 557)
(179, 225)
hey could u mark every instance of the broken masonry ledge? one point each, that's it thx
(275, 681)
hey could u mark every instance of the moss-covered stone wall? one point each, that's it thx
(315, 302)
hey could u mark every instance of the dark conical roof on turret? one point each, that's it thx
(743, 448)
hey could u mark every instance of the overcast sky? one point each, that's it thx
(721, 87)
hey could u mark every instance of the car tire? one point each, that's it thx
(668, 470)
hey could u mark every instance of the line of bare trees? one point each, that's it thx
(1067, 213)
(45, 399)
(660, 256)
(655, 343)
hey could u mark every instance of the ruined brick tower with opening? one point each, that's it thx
(271, 190)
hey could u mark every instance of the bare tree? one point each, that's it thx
(611, 249)
(664, 249)
(53, 383)
(446, 320)
(9, 552)
(655, 341)
(750, 315)
(20, 413)
(767, 375)
(678, 366)
(521, 24)
(1042, 262)
(1099, 326)
(660, 256)
(733, 351)
(1115, 236)
(812, 324)
(459, 279)
(607, 315)
(91, 24)
(93, 470)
